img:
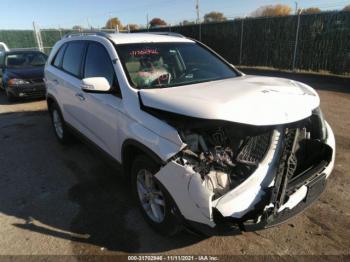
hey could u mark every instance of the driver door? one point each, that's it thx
(100, 112)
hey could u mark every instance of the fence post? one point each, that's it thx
(200, 31)
(241, 44)
(37, 36)
(296, 41)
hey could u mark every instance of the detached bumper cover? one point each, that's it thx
(244, 207)
(29, 90)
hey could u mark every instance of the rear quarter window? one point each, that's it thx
(57, 61)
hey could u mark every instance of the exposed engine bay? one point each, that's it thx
(225, 156)
(242, 173)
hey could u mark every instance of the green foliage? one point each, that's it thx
(214, 17)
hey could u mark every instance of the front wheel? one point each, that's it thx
(9, 96)
(155, 203)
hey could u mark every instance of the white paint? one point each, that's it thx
(98, 84)
(191, 197)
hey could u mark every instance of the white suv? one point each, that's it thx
(203, 144)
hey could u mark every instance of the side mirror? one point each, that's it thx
(95, 85)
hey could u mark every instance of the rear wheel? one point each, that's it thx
(61, 131)
(155, 203)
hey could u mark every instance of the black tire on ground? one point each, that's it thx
(10, 97)
(62, 133)
(172, 222)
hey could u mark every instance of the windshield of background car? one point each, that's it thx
(28, 59)
(159, 65)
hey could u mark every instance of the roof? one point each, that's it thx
(133, 38)
(130, 38)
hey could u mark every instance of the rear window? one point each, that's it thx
(73, 58)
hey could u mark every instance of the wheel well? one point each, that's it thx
(130, 150)
(50, 101)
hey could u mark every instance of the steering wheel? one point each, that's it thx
(162, 79)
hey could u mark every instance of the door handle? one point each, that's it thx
(80, 96)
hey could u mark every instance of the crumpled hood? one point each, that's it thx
(252, 100)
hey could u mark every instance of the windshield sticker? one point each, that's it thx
(142, 52)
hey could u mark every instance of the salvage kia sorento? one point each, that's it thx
(203, 145)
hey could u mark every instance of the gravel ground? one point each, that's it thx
(69, 200)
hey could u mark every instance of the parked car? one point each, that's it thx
(3, 47)
(203, 144)
(23, 74)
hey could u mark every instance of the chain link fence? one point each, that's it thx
(310, 42)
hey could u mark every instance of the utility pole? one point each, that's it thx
(296, 7)
(296, 40)
(147, 25)
(198, 21)
(197, 10)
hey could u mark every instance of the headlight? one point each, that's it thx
(17, 81)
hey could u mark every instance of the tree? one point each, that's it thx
(214, 17)
(132, 27)
(112, 23)
(77, 28)
(347, 8)
(186, 22)
(157, 22)
(311, 10)
(272, 10)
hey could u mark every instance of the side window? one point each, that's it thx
(73, 57)
(98, 63)
(57, 62)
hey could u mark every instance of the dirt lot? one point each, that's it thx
(68, 200)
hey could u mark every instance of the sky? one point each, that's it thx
(20, 14)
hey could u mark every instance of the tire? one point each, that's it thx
(10, 97)
(168, 221)
(61, 131)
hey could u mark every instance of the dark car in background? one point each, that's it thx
(22, 73)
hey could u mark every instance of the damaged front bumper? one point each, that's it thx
(266, 198)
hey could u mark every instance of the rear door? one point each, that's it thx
(69, 81)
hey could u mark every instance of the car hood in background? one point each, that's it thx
(252, 100)
(25, 73)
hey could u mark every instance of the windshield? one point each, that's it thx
(155, 65)
(20, 60)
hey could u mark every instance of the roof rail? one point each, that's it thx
(98, 33)
(166, 33)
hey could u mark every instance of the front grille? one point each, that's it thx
(34, 94)
(254, 149)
